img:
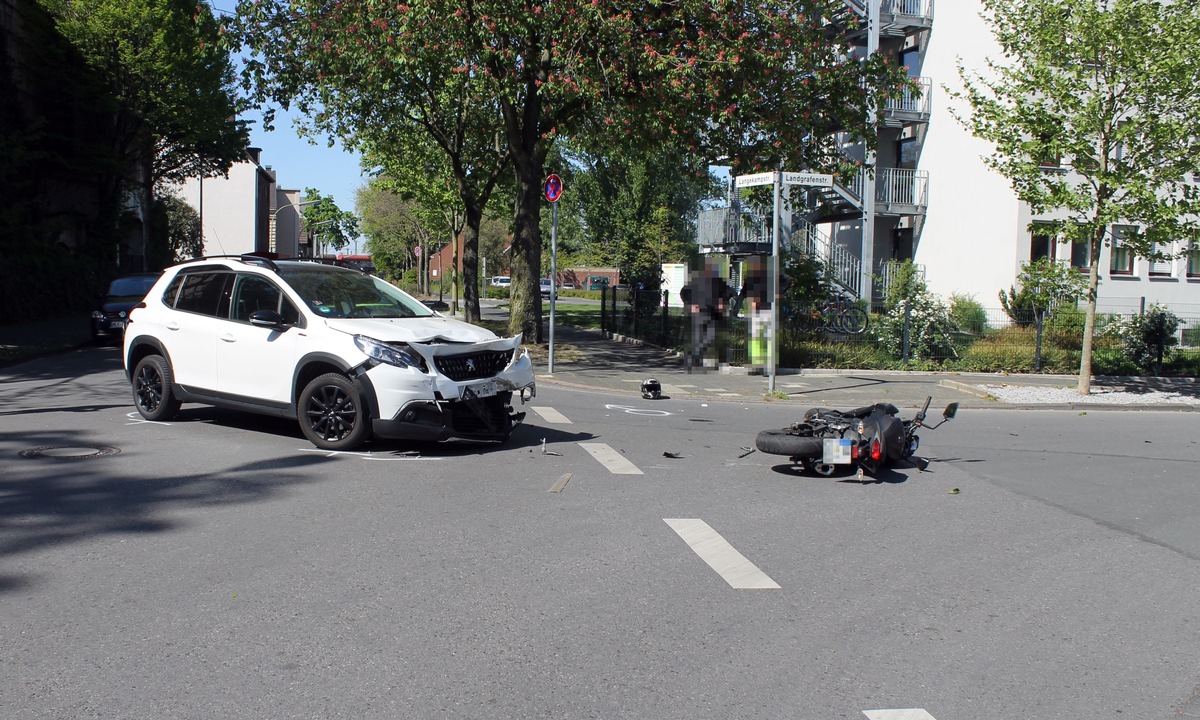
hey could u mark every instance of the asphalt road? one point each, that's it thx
(219, 566)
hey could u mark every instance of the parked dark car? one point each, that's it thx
(108, 320)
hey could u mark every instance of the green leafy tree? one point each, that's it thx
(426, 179)
(172, 84)
(639, 208)
(329, 227)
(1106, 88)
(755, 82)
(183, 228)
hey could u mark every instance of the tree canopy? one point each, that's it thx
(1093, 111)
(750, 82)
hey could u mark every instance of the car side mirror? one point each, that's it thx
(266, 319)
(951, 411)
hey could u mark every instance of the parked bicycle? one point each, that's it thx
(834, 314)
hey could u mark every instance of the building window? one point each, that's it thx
(906, 154)
(1049, 157)
(1042, 244)
(1161, 268)
(1193, 260)
(1081, 255)
(1121, 260)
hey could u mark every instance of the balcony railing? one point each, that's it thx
(922, 9)
(912, 106)
(902, 191)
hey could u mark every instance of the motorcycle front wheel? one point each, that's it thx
(781, 442)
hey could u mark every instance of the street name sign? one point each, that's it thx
(810, 179)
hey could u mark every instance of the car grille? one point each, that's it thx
(473, 366)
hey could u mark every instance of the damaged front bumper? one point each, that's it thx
(459, 404)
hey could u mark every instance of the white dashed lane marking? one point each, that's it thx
(611, 459)
(551, 415)
(740, 573)
(906, 714)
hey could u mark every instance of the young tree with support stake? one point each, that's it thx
(1094, 112)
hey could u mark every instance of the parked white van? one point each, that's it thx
(501, 281)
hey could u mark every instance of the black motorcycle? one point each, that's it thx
(871, 437)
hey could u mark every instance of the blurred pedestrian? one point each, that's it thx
(706, 299)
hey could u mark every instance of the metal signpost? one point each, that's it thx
(553, 189)
(777, 179)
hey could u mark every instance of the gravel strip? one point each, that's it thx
(1033, 395)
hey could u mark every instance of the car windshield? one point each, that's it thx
(341, 293)
(132, 287)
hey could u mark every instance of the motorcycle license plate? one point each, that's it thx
(837, 451)
(116, 324)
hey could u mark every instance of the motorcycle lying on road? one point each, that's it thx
(872, 437)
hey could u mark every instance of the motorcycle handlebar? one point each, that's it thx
(925, 409)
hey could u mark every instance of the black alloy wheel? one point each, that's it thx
(152, 393)
(331, 413)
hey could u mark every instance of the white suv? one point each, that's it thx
(345, 353)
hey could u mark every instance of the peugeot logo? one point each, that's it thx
(470, 365)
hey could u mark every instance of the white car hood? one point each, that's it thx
(435, 329)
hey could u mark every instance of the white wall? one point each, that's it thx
(228, 214)
(971, 236)
(976, 234)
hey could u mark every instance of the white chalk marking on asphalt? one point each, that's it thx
(139, 420)
(907, 714)
(729, 394)
(562, 483)
(551, 415)
(740, 573)
(381, 457)
(715, 390)
(611, 459)
(637, 410)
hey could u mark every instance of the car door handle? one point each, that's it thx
(228, 337)
(172, 326)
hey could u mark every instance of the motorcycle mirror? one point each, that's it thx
(951, 411)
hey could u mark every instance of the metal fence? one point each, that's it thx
(985, 339)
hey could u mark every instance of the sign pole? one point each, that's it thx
(773, 288)
(553, 294)
(553, 190)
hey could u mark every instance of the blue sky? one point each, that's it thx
(298, 164)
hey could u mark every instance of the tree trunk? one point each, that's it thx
(470, 273)
(526, 297)
(1089, 321)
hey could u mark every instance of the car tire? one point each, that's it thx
(781, 442)
(152, 393)
(332, 414)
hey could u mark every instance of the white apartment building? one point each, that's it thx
(977, 234)
(932, 199)
(247, 212)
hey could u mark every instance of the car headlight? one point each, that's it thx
(399, 355)
(97, 315)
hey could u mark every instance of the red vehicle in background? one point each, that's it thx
(362, 262)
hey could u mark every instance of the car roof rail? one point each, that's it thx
(250, 258)
(332, 261)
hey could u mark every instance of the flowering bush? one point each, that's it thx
(928, 322)
(1142, 335)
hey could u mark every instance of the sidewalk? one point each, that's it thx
(586, 359)
(27, 341)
